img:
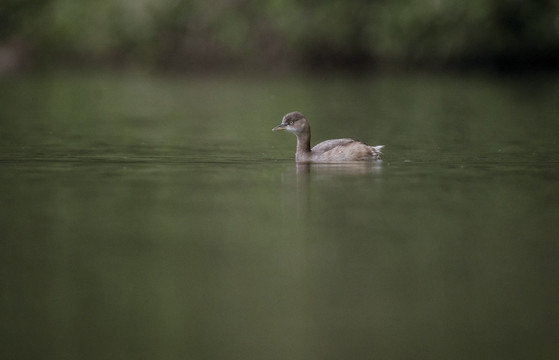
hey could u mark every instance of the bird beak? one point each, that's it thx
(279, 127)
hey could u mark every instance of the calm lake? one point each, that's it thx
(159, 217)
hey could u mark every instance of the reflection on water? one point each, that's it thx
(349, 168)
(298, 180)
(141, 220)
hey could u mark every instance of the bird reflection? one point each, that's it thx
(298, 183)
(337, 169)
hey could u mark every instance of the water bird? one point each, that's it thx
(329, 151)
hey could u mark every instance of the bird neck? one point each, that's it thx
(304, 143)
(303, 146)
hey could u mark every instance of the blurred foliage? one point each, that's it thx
(285, 33)
(14, 13)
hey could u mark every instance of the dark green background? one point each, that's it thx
(145, 217)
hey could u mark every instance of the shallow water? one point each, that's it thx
(159, 217)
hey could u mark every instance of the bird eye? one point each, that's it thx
(291, 122)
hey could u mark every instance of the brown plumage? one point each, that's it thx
(338, 150)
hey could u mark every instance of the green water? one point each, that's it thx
(158, 217)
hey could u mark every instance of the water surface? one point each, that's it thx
(153, 217)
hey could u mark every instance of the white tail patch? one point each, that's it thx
(378, 148)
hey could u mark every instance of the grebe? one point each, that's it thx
(338, 150)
